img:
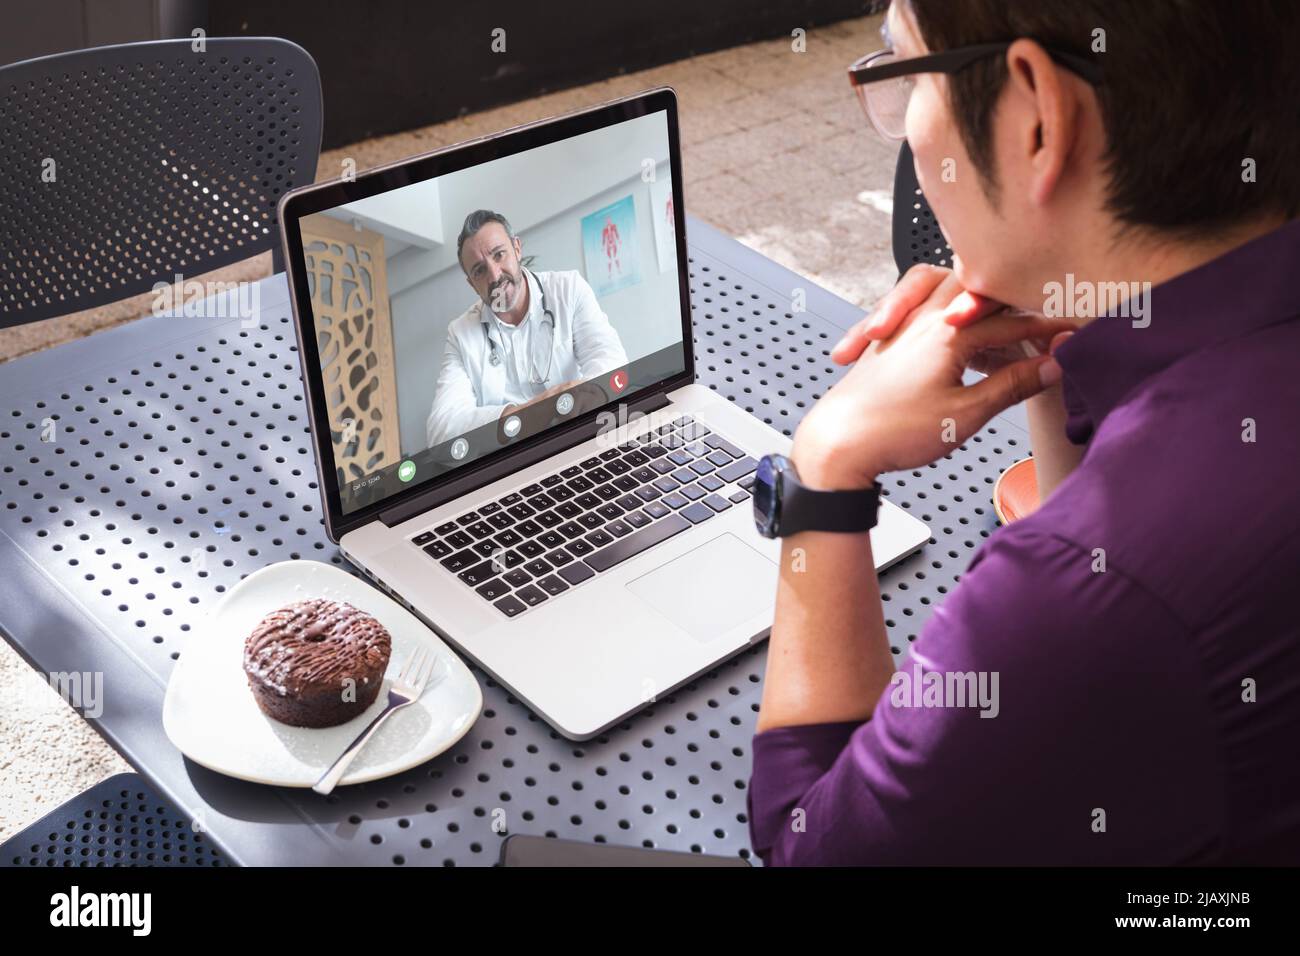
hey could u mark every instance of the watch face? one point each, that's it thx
(766, 492)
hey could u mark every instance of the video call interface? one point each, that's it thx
(461, 315)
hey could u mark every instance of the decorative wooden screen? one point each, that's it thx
(348, 280)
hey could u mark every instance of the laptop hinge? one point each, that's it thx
(545, 449)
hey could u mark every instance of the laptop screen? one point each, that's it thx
(461, 315)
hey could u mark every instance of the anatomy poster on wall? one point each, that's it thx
(661, 210)
(610, 247)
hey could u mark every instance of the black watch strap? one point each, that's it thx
(803, 509)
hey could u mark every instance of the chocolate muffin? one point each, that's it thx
(316, 663)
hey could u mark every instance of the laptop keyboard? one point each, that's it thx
(549, 536)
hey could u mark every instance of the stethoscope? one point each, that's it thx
(547, 316)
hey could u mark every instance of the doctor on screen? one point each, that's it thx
(529, 338)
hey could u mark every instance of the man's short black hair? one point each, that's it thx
(1196, 95)
(476, 221)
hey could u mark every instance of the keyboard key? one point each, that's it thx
(747, 482)
(648, 493)
(485, 548)
(592, 462)
(599, 475)
(552, 585)
(625, 483)
(675, 501)
(680, 458)
(720, 458)
(637, 519)
(717, 502)
(711, 482)
(549, 519)
(578, 572)
(507, 559)
(420, 540)
(447, 528)
(738, 468)
(537, 568)
(550, 481)
(599, 538)
(635, 458)
(703, 466)
(609, 511)
(698, 449)
(607, 492)
(618, 468)
(654, 451)
(672, 442)
(480, 530)
(644, 474)
(694, 492)
(571, 530)
(634, 544)
(550, 540)
(569, 509)
(438, 549)
(684, 476)
(618, 528)
(489, 509)
(562, 492)
(508, 539)
(579, 547)
(494, 589)
(609, 454)
(459, 561)
(629, 502)
(657, 509)
(510, 606)
(517, 577)
(580, 484)
(521, 511)
(511, 499)
(467, 519)
(739, 495)
(684, 420)
(530, 596)
(528, 528)
(697, 512)
(586, 501)
(559, 558)
(459, 539)
(530, 549)
(590, 520)
(541, 502)
(714, 441)
(662, 466)
(571, 472)
(529, 490)
(500, 520)
(666, 484)
(476, 575)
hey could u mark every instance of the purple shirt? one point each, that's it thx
(1147, 713)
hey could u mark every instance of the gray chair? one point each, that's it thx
(122, 166)
(916, 232)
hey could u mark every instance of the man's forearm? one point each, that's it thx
(1055, 456)
(828, 658)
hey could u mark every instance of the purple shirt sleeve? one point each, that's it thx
(1094, 712)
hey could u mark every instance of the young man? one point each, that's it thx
(1141, 624)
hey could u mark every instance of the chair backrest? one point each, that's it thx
(916, 232)
(123, 166)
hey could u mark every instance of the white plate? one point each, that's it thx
(210, 714)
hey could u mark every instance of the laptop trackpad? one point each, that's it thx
(708, 591)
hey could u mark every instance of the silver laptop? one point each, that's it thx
(496, 343)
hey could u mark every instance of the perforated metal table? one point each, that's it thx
(181, 461)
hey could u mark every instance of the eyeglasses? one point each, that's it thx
(884, 81)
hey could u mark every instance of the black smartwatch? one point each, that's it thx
(782, 506)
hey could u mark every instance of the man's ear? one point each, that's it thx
(519, 249)
(1046, 105)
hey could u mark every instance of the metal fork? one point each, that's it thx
(406, 689)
